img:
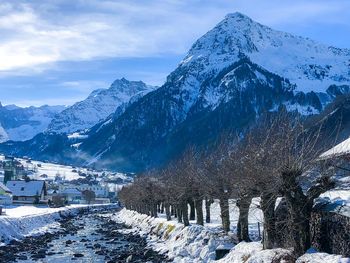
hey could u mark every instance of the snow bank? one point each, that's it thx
(322, 258)
(29, 220)
(253, 253)
(198, 244)
(183, 244)
(31, 210)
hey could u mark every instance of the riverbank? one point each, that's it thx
(182, 244)
(89, 236)
(23, 221)
(202, 244)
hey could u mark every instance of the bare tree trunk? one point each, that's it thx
(167, 211)
(208, 203)
(300, 208)
(192, 210)
(242, 226)
(199, 210)
(148, 210)
(225, 213)
(299, 212)
(179, 214)
(155, 211)
(268, 202)
(184, 210)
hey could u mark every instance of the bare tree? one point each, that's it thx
(285, 152)
(89, 196)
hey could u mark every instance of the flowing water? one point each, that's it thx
(87, 238)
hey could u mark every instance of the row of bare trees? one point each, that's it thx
(278, 158)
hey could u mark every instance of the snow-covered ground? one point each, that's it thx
(67, 173)
(50, 169)
(198, 244)
(14, 211)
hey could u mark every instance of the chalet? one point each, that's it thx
(5, 195)
(331, 217)
(28, 192)
(340, 151)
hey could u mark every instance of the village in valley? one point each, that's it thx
(24, 182)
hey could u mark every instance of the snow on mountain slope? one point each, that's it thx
(20, 124)
(309, 65)
(97, 106)
(3, 135)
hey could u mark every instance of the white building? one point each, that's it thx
(100, 191)
(72, 195)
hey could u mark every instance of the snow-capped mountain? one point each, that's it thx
(20, 124)
(98, 106)
(309, 65)
(233, 74)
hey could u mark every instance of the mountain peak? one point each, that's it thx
(237, 16)
(98, 106)
(310, 65)
(128, 86)
(120, 81)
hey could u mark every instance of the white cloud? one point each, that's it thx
(31, 38)
(36, 34)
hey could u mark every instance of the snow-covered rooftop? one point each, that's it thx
(338, 150)
(23, 188)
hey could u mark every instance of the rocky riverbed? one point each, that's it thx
(89, 237)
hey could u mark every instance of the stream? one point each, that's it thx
(84, 238)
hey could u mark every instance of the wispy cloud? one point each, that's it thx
(31, 35)
(37, 33)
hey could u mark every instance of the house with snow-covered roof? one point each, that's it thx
(340, 150)
(28, 192)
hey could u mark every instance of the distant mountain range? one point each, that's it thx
(20, 124)
(231, 75)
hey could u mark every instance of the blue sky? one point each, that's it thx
(58, 51)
